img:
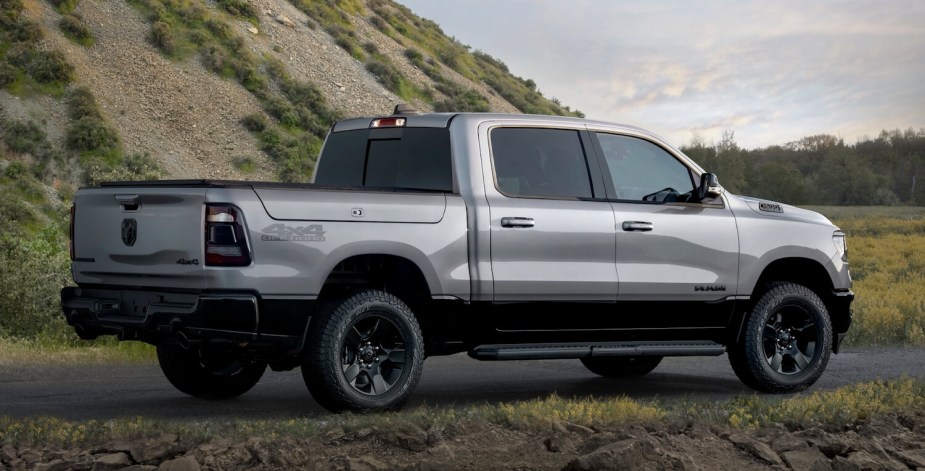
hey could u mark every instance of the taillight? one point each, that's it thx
(226, 244)
(70, 231)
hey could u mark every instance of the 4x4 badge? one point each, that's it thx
(129, 232)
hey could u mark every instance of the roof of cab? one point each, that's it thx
(442, 120)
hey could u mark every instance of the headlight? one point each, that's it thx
(841, 244)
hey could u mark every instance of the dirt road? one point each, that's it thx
(110, 391)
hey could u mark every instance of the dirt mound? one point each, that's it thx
(893, 442)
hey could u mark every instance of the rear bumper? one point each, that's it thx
(151, 315)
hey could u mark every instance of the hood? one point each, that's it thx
(774, 209)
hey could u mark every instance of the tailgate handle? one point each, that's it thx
(129, 203)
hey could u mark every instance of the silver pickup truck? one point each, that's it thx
(509, 237)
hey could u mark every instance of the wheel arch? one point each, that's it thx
(392, 273)
(804, 271)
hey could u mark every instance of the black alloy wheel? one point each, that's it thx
(373, 357)
(208, 372)
(787, 340)
(364, 352)
(790, 337)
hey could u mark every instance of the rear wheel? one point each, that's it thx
(787, 340)
(208, 372)
(365, 352)
(619, 367)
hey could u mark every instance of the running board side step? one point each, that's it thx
(549, 351)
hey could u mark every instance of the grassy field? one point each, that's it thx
(886, 250)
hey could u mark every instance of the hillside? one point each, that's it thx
(174, 80)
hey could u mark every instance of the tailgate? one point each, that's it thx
(137, 236)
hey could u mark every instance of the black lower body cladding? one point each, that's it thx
(153, 315)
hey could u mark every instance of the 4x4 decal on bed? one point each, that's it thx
(282, 232)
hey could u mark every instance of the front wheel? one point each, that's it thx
(208, 372)
(363, 353)
(787, 340)
(621, 367)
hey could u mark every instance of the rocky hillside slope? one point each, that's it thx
(93, 90)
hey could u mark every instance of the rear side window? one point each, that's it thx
(412, 158)
(540, 162)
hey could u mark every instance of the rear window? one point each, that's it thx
(412, 158)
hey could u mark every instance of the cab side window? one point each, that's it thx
(535, 162)
(643, 171)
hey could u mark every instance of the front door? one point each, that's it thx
(677, 260)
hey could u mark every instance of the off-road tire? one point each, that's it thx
(210, 373)
(621, 367)
(363, 353)
(786, 342)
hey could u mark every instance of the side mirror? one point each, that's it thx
(709, 187)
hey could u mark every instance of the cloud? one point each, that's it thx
(773, 71)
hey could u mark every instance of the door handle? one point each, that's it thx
(637, 226)
(516, 222)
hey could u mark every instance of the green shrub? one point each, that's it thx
(244, 164)
(135, 167)
(215, 59)
(282, 110)
(45, 67)
(239, 8)
(8, 74)
(75, 30)
(163, 38)
(379, 23)
(386, 74)
(199, 37)
(248, 75)
(89, 134)
(20, 54)
(15, 170)
(461, 100)
(24, 137)
(80, 103)
(16, 28)
(15, 214)
(255, 122)
(64, 6)
(29, 301)
(50, 67)
(370, 48)
(414, 56)
(219, 29)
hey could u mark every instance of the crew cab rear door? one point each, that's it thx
(550, 240)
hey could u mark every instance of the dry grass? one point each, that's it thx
(55, 352)
(886, 250)
(842, 407)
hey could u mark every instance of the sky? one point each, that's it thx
(771, 71)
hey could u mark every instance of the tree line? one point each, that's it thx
(822, 169)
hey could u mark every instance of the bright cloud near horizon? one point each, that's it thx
(772, 72)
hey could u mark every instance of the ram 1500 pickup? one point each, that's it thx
(509, 237)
